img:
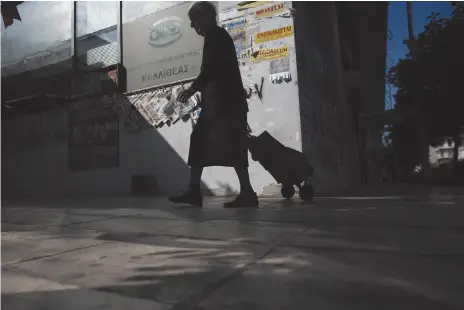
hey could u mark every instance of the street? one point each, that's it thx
(144, 253)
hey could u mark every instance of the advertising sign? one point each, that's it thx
(271, 10)
(274, 34)
(161, 48)
(251, 4)
(271, 53)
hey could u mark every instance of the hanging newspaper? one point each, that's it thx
(170, 108)
(143, 104)
(161, 106)
(185, 108)
(130, 117)
(155, 109)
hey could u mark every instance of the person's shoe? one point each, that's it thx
(190, 197)
(243, 200)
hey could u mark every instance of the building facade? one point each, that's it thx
(444, 154)
(309, 70)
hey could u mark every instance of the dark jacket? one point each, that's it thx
(219, 138)
(220, 81)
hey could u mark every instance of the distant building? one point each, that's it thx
(443, 154)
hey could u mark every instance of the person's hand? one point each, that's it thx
(185, 95)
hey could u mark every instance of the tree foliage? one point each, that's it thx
(434, 69)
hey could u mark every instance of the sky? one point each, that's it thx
(398, 26)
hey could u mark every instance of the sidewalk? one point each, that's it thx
(405, 190)
(148, 254)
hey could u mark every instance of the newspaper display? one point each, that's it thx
(156, 107)
(183, 109)
(148, 104)
(159, 107)
(170, 108)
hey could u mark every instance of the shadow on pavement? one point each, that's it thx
(278, 257)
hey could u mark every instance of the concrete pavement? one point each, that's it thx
(350, 253)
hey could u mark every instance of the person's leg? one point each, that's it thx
(195, 178)
(193, 195)
(247, 196)
(244, 178)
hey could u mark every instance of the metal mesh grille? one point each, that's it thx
(97, 35)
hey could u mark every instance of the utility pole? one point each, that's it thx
(418, 107)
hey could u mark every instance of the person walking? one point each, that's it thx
(220, 135)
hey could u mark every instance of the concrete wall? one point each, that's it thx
(326, 126)
(341, 69)
(35, 148)
(36, 164)
(368, 36)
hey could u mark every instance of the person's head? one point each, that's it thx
(202, 16)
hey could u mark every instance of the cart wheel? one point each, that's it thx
(306, 193)
(287, 191)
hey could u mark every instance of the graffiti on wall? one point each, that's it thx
(254, 89)
(93, 135)
(34, 130)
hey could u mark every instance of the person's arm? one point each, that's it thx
(205, 73)
(213, 63)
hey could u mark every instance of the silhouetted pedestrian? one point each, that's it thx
(220, 135)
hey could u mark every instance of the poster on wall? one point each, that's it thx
(93, 135)
(236, 30)
(270, 10)
(274, 34)
(161, 48)
(280, 71)
(244, 5)
(270, 53)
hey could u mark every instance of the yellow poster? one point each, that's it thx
(271, 10)
(274, 34)
(271, 53)
(252, 4)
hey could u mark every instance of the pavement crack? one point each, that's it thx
(69, 224)
(97, 220)
(51, 255)
(194, 301)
